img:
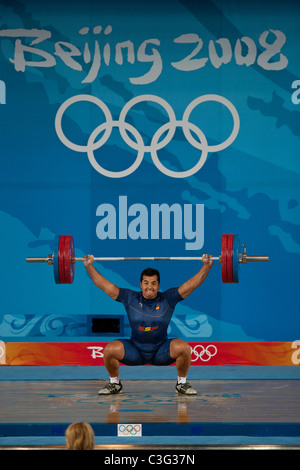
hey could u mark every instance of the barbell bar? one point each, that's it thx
(63, 258)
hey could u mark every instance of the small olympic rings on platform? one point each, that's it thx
(138, 144)
(205, 354)
(129, 429)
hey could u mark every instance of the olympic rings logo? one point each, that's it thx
(138, 143)
(205, 354)
(129, 429)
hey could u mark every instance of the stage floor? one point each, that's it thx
(223, 412)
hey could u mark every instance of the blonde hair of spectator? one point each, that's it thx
(79, 436)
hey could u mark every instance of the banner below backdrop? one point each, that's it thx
(150, 129)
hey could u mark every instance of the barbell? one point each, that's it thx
(63, 258)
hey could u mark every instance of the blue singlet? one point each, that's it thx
(149, 320)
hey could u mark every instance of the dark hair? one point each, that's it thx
(150, 272)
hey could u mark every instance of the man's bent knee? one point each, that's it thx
(178, 347)
(115, 350)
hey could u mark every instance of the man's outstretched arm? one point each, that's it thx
(189, 286)
(100, 281)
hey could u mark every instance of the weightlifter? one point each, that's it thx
(149, 312)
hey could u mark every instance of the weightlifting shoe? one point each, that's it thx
(110, 389)
(185, 389)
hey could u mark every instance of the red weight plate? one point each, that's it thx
(235, 258)
(224, 258)
(72, 256)
(55, 260)
(68, 264)
(229, 258)
(61, 264)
